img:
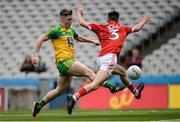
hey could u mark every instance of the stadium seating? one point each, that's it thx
(164, 61)
(22, 21)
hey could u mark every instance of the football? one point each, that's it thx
(133, 72)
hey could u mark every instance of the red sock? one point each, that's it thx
(81, 92)
(131, 88)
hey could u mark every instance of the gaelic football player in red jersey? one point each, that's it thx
(111, 36)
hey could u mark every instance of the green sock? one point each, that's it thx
(109, 85)
(42, 103)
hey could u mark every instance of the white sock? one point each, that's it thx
(74, 97)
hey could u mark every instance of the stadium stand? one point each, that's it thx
(23, 20)
(164, 61)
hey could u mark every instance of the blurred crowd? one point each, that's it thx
(133, 58)
(27, 66)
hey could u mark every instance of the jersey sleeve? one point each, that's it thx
(128, 29)
(74, 33)
(52, 33)
(95, 27)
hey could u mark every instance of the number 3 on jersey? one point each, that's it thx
(114, 33)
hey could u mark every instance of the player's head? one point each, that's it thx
(66, 17)
(113, 16)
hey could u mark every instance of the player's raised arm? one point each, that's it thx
(40, 40)
(81, 20)
(81, 38)
(142, 22)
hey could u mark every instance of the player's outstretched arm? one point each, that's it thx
(145, 19)
(81, 20)
(40, 40)
(81, 38)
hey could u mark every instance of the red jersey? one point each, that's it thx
(111, 36)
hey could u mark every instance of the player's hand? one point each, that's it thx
(35, 60)
(145, 18)
(80, 9)
(96, 42)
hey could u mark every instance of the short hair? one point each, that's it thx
(113, 15)
(66, 12)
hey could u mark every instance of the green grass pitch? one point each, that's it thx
(93, 115)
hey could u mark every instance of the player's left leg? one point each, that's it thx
(122, 72)
(62, 84)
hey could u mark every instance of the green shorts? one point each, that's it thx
(64, 66)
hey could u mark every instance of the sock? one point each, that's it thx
(81, 92)
(132, 88)
(42, 103)
(109, 85)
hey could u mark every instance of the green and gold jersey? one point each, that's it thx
(63, 41)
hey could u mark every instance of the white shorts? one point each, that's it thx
(107, 62)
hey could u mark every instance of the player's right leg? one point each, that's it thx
(136, 91)
(100, 77)
(62, 84)
(106, 66)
